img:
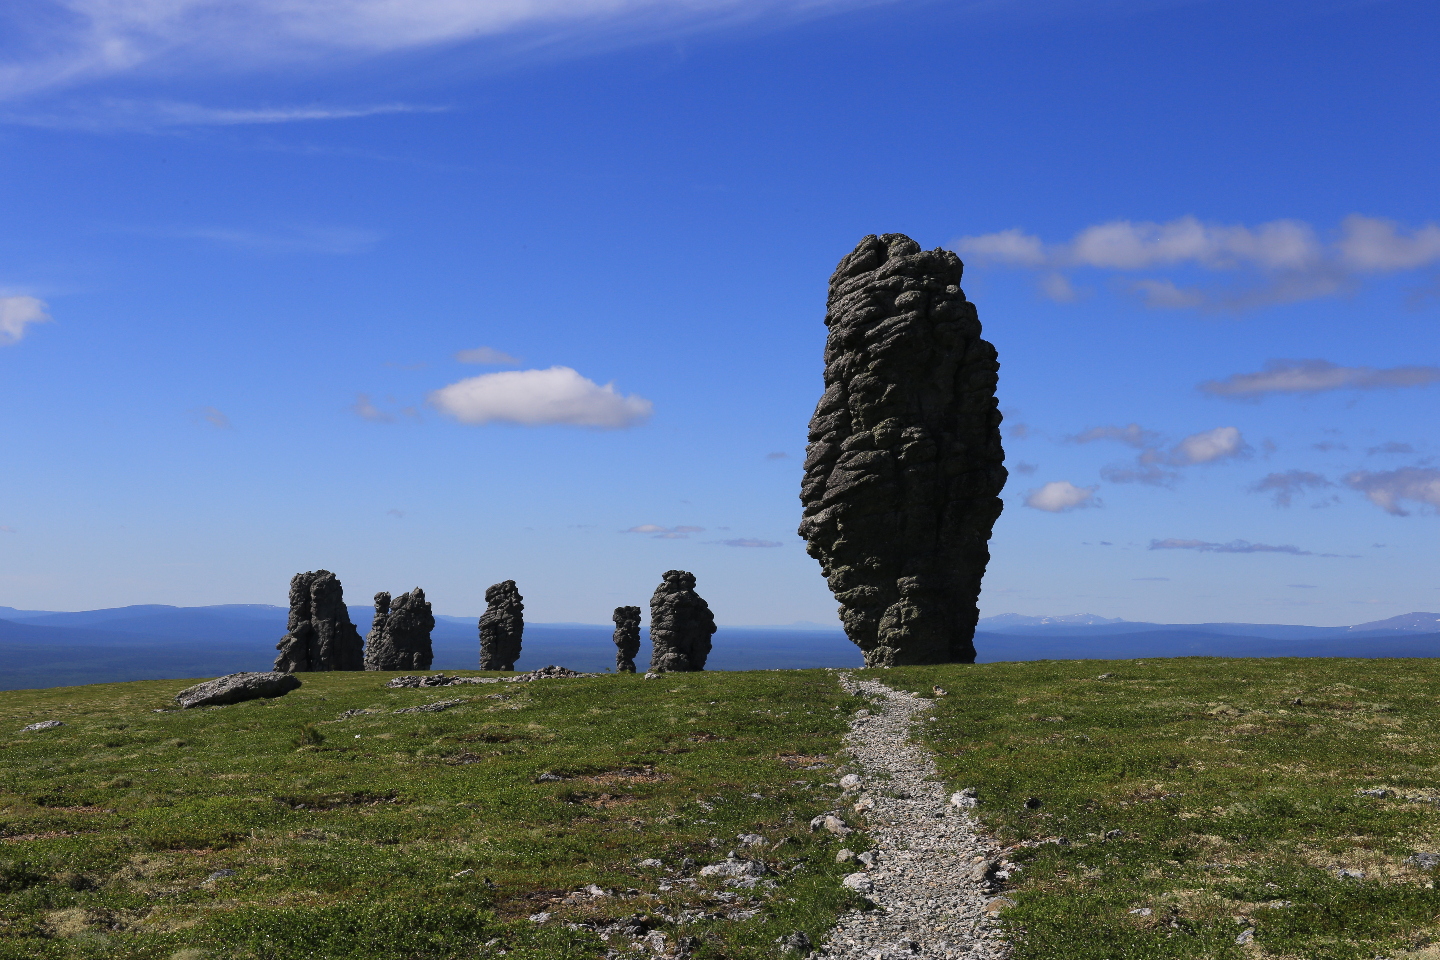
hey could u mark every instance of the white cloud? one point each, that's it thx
(1222, 443)
(1387, 488)
(1013, 247)
(86, 40)
(1287, 259)
(658, 532)
(1317, 376)
(531, 398)
(1059, 496)
(487, 356)
(1382, 246)
(17, 313)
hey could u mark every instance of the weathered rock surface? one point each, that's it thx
(681, 625)
(400, 635)
(319, 634)
(627, 638)
(42, 725)
(904, 467)
(237, 688)
(501, 627)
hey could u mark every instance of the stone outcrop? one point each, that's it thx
(237, 688)
(501, 627)
(400, 634)
(627, 638)
(681, 625)
(904, 468)
(319, 634)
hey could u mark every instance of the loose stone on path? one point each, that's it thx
(922, 874)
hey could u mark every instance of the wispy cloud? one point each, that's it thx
(1132, 435)
(1391, 446)
(1155, 465)
(532, 398)
(1156, 579)
(777, 455)
(17, 313)
(365, 410)
(214, 417)
(1281, 261)
(1317, 376)
(748, 542)
(1062, 496)
(487, 356)
(1234, 546)
(82, 41)
(1023, 468)
(1387, 489)
(150, 115)
(1285, 486)
(658, 532)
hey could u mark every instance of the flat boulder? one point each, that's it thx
(237, 688)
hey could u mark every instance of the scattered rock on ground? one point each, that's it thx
(237, 688)
(319, 634)
(435, 707)
(830, 823)
(904, 467)
(43, 725)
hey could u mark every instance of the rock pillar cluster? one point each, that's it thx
(501, 627)
(681, 625)
(319, 634)
(627, 638)
(904, 467)
(400, 634)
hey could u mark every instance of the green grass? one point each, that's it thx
(1236, 806)
(432, 836)
(410, 836)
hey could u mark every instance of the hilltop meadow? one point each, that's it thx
(1161, 808)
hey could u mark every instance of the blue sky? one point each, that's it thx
(444, 293)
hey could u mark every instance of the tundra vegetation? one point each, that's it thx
(1167, 808)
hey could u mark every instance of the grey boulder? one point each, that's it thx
(237, 688)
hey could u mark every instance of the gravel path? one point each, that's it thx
(931, 874)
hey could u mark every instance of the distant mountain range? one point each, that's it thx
(40, 648)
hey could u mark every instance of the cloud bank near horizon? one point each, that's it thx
(17, 313)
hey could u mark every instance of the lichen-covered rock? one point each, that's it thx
(627, 638)
(400, 635)
(236, 688)
(904, 468)
(501, 627)
(681, 625)
(319, 634)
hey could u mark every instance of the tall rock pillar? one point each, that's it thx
(904, 467)
(501, 627)
(400, 635)
(319, 634)
(681, 625)
(627, 638)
